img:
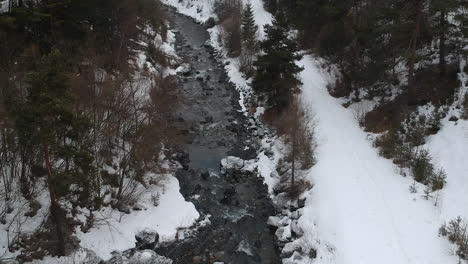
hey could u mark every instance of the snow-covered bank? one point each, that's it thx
(360, 208)
(117, 230)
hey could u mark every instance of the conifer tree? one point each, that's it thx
(249, 29)
(45, 120)
(276, 76)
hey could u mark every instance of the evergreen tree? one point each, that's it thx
(439, 10)
(249, 29)
(44, 120)
(276, 75)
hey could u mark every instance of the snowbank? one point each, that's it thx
(117, 231)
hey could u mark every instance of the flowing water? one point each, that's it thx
(236, 203)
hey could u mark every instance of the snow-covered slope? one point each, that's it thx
(449, 148)
(361, 207)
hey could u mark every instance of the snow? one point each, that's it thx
(463, 77)
(16, 222)
(200, 10)
(360, 208)
(262, 17)
(449, 148)
(118, 230)
(4, 6)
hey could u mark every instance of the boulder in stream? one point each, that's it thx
(146, 239)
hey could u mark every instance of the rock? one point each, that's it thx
(34, 206)
(295, 215)
(274, 221)
(205, 175)
(138, 207)
(116, 258)
(313, 253)
(148, 257)
(91, 257)
(146, 239)
(185, 69)
(260, 132)
(301, 202)
(296, 229)
(232, 162)
(124, 209)
(235, 163)
(283, 233)
(289, 249)
(209, 119)
(297, 256)
(228, 194)
(218, 255)
(197, 260)
(453, 119)
(210, 23)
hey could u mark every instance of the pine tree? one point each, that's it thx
(45, 120)
(276, 76)
(440, 9)
(249, 29)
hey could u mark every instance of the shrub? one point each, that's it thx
(421, 166)
(229, 13)
(455, 231)
(388, 144)
(438, 180)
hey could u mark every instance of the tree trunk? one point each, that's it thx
(442, 61)
(54, 206)
(412, 49)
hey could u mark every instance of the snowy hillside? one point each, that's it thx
(361, 207)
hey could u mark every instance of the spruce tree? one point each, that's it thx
(276, 78)
(249, 29)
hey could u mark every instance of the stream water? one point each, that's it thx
(236, 203)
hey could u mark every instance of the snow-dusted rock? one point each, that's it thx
(232, 163)
(148, 257)
(283, 233)
(235, 163)
(146, 239)
(274, 221)
(296, 229)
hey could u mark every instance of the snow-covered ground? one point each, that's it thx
(116, 230)
(361, 208)
(449, 148)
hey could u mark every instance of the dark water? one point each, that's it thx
(237, 203)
